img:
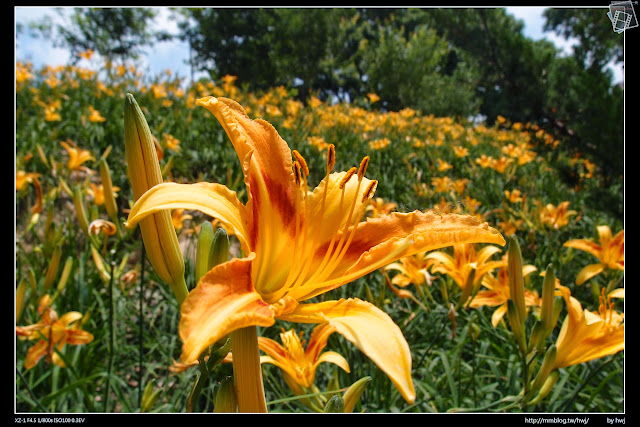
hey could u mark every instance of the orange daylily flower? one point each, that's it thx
(373, 97)
(178, 217)
(378, 206)
(25, 178)
(465, 259)
(97, 192)
(556, 216)
(411, 269)
(77, 156)
(585, 335)
(322, 227)
(497, 293)
(298, 364)
(610, 252)
(51, 332)
(95, 116)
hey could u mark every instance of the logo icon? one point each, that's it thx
(622, 16)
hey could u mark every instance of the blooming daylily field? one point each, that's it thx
(198, 248)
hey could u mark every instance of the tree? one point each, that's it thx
(112, 32)
(418, 71)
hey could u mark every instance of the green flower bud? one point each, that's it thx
(335, 404)
(109, 195)
(516, 279)
(52, 271)
(149, 397)
(353, 393)
(158, 233)
(225, 400)
(517, 326)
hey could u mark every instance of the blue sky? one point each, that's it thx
(173, 55)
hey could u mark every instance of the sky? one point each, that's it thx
(173, 55)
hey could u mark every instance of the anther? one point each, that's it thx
(331, 157)
(371, 189)
(347, 177)
(363, 167)
(302, 161)
(297, 172)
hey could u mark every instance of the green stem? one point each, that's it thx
(246, 370)
(141, 326)
(111, 340)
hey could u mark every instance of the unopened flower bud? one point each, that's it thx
(548, 299)
(546, 388)
(66, 272)
(516, 279)
(102, 269)
(21, 291)
(158, 233)
(353, 393)
(149, 397)
(225, 400)
(52, 271)
(335, 404)
(517, 326)
(81, 213)
(109, 195)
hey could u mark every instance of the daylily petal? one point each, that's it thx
(588, 272)
(35, 353)
(584, 245)
(213, 199)
(266, 160)
(371, 330)
(498, 314)
(382, 240)
(333, 357)
(78, 337)
(223, 301)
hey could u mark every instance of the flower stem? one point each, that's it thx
(246, 370)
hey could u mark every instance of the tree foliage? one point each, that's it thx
(112, 32)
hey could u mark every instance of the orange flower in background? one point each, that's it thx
(178, 217)
(443, 165)
(460, 185)
(97, 192)
(379, 144)
(378, 206)
(556, 216)
(373, 97)
(322, 227)
(500, 165)
(514, 196)
(298, 364)
(95, 116)
(460, 151)
(465, 259)
(87, 54)
(412, 269)
(171, 142)
(77, 156)
(441, 184)
(318, 142)
(497, 293)
(51, 332)
(585, 335)
(23, 72)
(610, 252)
(23, 179)
(485, 161)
